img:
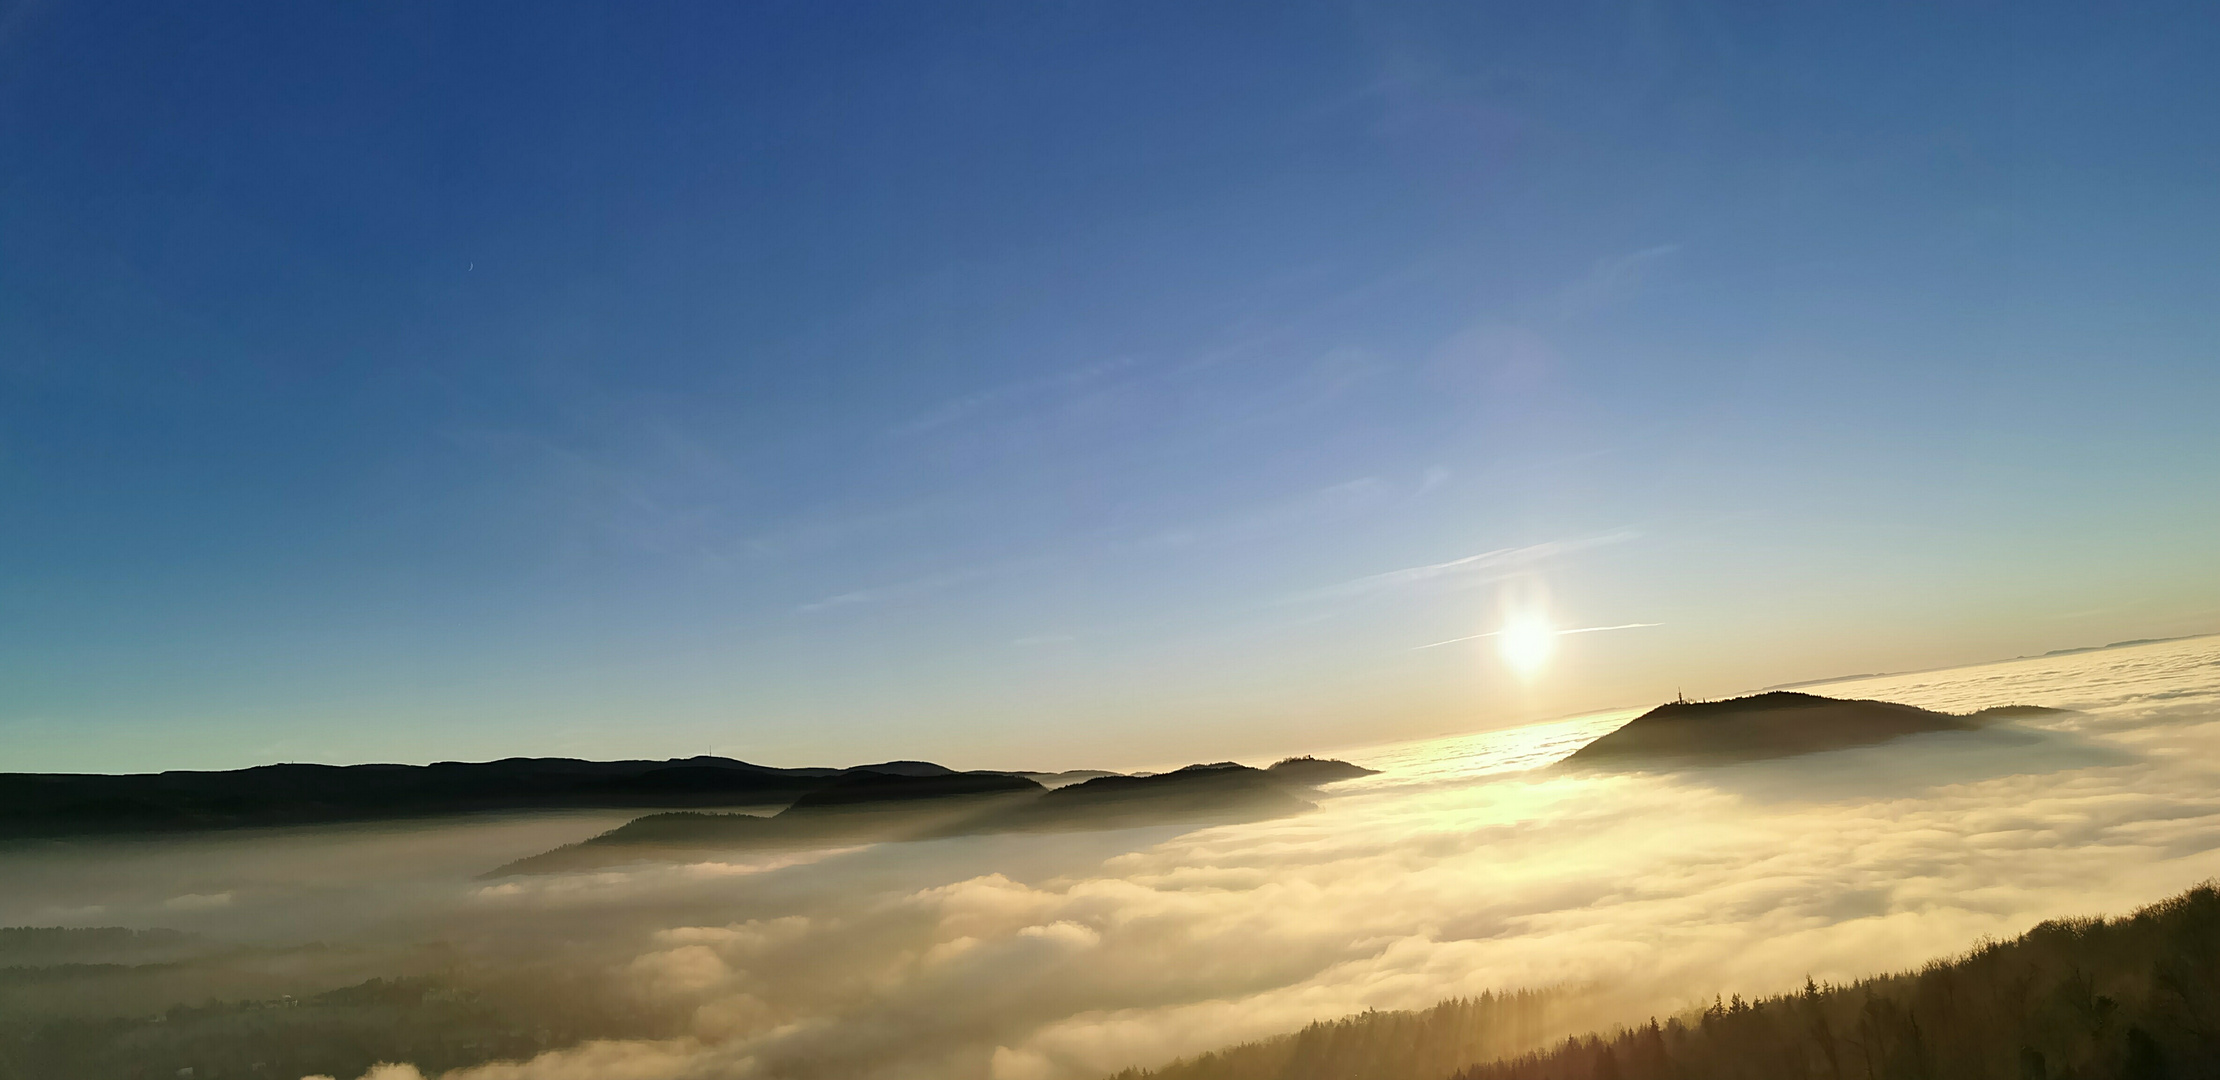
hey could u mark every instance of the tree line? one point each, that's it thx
(2131, 998)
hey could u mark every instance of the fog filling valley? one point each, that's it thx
(1468, 864)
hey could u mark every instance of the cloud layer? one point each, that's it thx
(1461, 868)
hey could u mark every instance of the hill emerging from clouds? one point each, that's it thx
(1770, 725)
(863, 810)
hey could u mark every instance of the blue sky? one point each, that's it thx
(1068, 384)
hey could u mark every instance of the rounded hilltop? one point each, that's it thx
(1781, 723)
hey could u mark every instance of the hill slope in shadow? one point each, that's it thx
(1218, 793)
(1781, 723)
(2132, 998)
(878, 810)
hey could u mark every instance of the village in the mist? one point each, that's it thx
(1465, 868)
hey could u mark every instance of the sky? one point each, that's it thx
(1076, 384)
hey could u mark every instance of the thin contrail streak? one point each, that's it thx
(1577, 630)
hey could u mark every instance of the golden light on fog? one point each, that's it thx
(1525, 643)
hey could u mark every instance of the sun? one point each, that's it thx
(1525, 643)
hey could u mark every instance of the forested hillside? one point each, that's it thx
(2133, 998)
(1429, 1043)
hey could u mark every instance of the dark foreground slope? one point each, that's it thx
(2135, 998)
(1778, 724)
(1427, 1044)
(867, 810)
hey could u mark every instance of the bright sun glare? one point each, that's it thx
(1525, 643)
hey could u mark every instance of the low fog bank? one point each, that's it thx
(1460, 869)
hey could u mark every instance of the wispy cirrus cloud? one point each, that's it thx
(1468, 568)
(1248, 524)
(1272, 519)
(900, 590)
(956, 410)
(1574, 630)
(926, 585)
(1611, 280)
(912, 588)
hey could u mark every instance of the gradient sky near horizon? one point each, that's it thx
(1075, 384)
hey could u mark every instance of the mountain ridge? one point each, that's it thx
(49, 805)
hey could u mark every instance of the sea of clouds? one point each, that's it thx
(1467, 865)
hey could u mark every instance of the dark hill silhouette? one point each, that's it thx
(905, 768)
(1066, 778)
(1311, 770)
(861, 807)
(680, 781)
(674, 827)
(38, 805)
(1777, 724)
(865, 807)
(1217, 793)
(49, 805)
(868, 785)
